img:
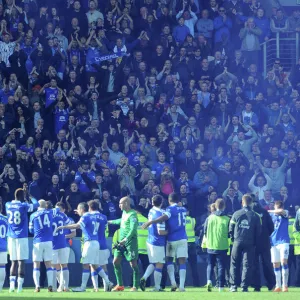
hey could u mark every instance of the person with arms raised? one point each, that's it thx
(18, 248)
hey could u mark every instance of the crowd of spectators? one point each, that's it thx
(101, 99)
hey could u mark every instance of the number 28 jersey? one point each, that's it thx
(176, 223)
(17, 217)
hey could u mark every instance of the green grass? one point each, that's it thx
(191, 294)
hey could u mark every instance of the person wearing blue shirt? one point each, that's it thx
(155, 245)
(83, 187)
(89, 224)
(180, 31)
(159, 166)
(5, 93)
(280, 245)
(51, 92)
(61, 114)
(104, 252)
(69, 234)
(61, 251)
(175, 215)
(3, 246)
(105, 162)
(40, 225)
(222, 26)
(16, 211)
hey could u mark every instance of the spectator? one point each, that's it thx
(205, 25)
(204, 178)
(263, 183)
(276, 174)
(232, 200)
(222, 26)
(126, 175)
(279, 23)
(190, 18)
(244, 145)
(250, 41)
(181, 31)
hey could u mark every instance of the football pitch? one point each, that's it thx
(190, 294)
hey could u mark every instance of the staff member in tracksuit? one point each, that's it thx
(263, 250)
(296, 236)
(244, 230)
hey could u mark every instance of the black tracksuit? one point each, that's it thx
(263, 251)
(244, 230)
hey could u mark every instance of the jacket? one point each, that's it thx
(199, 180)
(254, 33)
(266, 229)
(222, 28)
(245, 227)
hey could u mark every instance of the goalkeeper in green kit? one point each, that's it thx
(127, 246)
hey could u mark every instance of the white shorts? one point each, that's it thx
(18, 248)
(61, 256)
(280, 252)
(103, 257)
(156, 254)
(90, 253)
(3, 258)
(178, 249)
(42, 252)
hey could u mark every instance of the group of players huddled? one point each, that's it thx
(167, 242)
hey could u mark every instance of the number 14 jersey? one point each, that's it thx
(40, 225)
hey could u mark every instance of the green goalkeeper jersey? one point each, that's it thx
(128, 225)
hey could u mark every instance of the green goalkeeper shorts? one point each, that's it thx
(132, 252)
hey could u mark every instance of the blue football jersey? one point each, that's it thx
(176, 223)
(51, 95)
(40, 225)
(153, 237)
(3, 233)
(280, 234)
(90, 223)
(101, 231)
(59, 239)
(16, 212)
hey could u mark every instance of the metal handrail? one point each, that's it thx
(276, 41)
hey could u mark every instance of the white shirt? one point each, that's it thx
(260, 190)
(115, 156)
(6, 50)
(94, 16)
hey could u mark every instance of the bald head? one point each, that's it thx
(124, 203)
(43, 203)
